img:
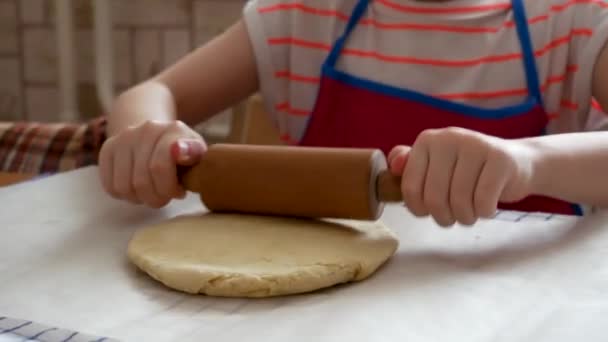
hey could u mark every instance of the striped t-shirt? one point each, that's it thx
(462, 50)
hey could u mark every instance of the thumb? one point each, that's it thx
(187, 152)
(397, 159)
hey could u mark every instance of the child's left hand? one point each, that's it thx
(458, 175)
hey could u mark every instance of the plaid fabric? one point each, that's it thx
(38, 148)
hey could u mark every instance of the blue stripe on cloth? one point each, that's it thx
(35, 331)
(34, 337)
(15, 328)
(70, 337)
(522, 216)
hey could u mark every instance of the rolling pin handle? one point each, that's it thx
(187, 177)
(388, 187)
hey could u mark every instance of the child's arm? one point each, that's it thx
(575, 166)
(207, 81)
(138, 162)
(457, 175)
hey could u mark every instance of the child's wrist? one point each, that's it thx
(540, 155)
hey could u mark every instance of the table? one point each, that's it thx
(514, 278)
(10, 178)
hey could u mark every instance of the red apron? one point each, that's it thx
(354, 112)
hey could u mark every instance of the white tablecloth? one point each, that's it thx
(63, 264)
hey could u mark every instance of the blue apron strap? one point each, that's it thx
(355, 17)
(521, 22)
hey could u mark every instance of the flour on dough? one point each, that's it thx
(257, 256)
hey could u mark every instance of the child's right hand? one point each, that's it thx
(139, 164)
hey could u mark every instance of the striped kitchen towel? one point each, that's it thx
(20, 330)
(42, 148)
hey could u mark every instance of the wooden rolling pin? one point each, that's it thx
(294, 181)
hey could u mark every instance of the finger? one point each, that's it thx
(123, 169)
(442, 160)
(164, 170)
(106, 165)
(414, 176)
(397, 150)
(489, 187)
(187, 152)
(142, 179)
(397, 159)
(464, 182)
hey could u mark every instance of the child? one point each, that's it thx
(477, 103)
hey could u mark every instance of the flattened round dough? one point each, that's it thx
(256, 256)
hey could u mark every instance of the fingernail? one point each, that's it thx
(184, 149)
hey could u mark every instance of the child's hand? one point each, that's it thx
(457, 175)
(140, 164)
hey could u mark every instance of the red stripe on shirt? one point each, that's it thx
(422, 27)
(305, 9)
(287, 108)
(596, 105)
(402, 8)
(371, 22)
(288, 139)
(558, 9)
(473, 9)
(427, 61)
(443, 9)
(296, 77)
(565, 103)
(556, 79)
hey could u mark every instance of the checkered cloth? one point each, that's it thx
(43, 148)
(17, 330)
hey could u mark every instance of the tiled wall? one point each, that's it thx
(148, 35)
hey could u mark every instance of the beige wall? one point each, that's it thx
(148, 35)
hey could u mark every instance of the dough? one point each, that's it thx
(236, 255)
